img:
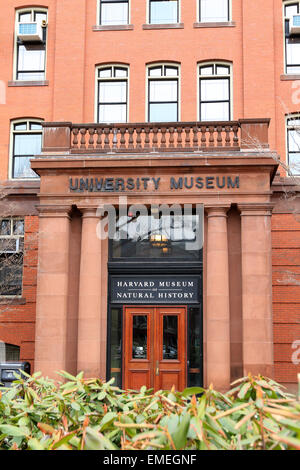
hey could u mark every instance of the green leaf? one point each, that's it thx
(180, 435)
(192, 391)
(14, 431)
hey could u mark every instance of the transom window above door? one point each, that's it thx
(163, 11)
(113, 12)
(163, 91)
(112, 93)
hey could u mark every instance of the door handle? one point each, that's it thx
(157, 368)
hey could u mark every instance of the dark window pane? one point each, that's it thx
(116, 346)
(170, 337)
(18, 227)
(139, 337)
(11, 273)
(194, 347)
(5, 227)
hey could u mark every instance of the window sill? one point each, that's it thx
(164, 26)
(290, 76)
(115, 27)
(28, 83)
(12, 300)
(216, 24)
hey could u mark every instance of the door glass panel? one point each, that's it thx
(195, 347)
(139, 337)
(170, 337)
(116, 346)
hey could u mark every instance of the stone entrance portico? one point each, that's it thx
(233, 186)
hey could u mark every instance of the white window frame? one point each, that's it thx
(97, 79)
(178, 78)
(288, 127)
(116, 24)
(198, 3)
(285, 4)
(11, 143)
(230, 76)
(178, 14)
(31, 10)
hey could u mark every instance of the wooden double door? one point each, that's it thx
(154, 347)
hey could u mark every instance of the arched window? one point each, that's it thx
(26, 142)
(163, 92)
(293, 144)
(215, 100)
(30, 44)
(112, 93)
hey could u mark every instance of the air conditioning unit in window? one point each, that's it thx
(30, 32)
(295, 24)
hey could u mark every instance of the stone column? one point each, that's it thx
(52, 290)
(89, 315)
(257, 288)
(217, 299)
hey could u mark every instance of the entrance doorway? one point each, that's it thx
(154, 340)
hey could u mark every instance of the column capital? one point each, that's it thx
(257, 208)
(217, 210)
(89, 212)
(54, 211)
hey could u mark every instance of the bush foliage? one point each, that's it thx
(88, 414)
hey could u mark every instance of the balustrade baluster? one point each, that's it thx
(203, 137)
(130, 142)
(82, 140)
(179, 137)
(171, 138)
(163, 138)
(147, 137)
(235, 129)
(211, 130)
(195, 136)
(122, 138)
(75, 138)
(154, 140)
(106, 139)
(91, 138)
(219, 136)
(138, 138)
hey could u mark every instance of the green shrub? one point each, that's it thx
(79, 413)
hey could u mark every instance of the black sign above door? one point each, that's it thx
(155, 289)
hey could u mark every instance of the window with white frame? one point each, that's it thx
(112, 93)
(163, 11)
(113, 12)
(26, 142)
(214, 92)
(292, 41)
(293, 145)
(11, 256)
(163, 93)
(213, 11)
(30, 44)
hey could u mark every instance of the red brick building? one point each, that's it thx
(177, 102)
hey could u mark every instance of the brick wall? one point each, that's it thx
(286, 294)
(17, 317)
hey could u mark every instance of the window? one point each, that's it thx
(292, 43)
(214, 92)
(112, 94)
(9, 352)
(163, 11)
(11, 256)
(214, 11)
(293, 145)
(163, 93)
(26, 143)
(31, 54)
(114, 12)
